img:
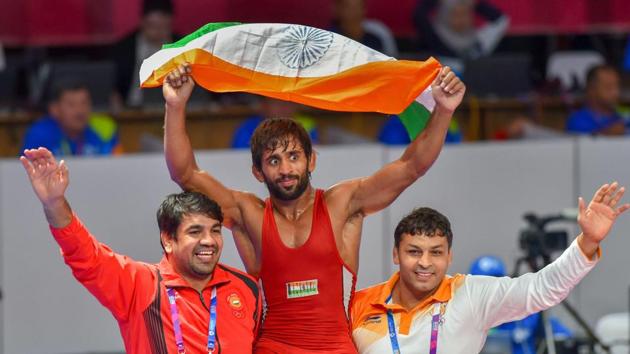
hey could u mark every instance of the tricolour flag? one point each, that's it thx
(301, 64)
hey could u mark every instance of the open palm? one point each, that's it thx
(598, 217)
(48, 178)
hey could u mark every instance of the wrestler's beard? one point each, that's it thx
(295, 192)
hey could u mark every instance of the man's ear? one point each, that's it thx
(312, 162)
(167, 242)
(396, 256)
(258, 174)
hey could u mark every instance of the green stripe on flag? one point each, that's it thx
(210, 27)
(415, 119)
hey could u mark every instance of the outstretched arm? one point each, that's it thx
(376, 192)
(499, 300)
(180, 159)
(49, 180)
(110, 277)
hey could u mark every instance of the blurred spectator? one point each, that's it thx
(349, 20)
(272, 108)
(626, 57)
(451, 32)
(524, 127)
(128, 54)
(2, 60)
(71, 128)
(599, 116)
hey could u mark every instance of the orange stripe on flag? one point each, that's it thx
(384, 86)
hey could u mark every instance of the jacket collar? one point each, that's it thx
(442, 294)
(172, 279)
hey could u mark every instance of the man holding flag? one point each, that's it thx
(302, 242)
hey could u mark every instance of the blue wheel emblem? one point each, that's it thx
(303, 46)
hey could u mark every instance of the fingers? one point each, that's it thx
(41, 155)
(610, 192)
(598, 197)
(179, 76)
(615, 199)
(38, 161)
(441, 75)
(448, 81)
(581, 206)
(63, 171)
(27, 166)
(623, 208)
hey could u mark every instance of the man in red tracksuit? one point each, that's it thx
(187, 303)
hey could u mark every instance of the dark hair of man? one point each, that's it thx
(591, 74)
(176, 206)
(273, 133)
(66, 85)
(426, 222)
(163, 6)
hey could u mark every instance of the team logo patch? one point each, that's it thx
(304, 288)
(235, 301)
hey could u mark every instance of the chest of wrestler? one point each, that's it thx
(457, 333)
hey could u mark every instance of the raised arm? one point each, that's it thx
(180, 159)
(49, 181)
(499, 300)
(373, 193)
(112, 278)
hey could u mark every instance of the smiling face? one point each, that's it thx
(196, 247)
(285, 170)
(423, 261)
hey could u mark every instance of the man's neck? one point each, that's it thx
(407, 298)
(599, 108)
(293, 209)
(353, 29)
(72, 134)
(196, 283)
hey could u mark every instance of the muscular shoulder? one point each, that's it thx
(341, 193)
(249, 199)
(249, 204)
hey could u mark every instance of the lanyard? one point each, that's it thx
(435, 326)
(179, 340)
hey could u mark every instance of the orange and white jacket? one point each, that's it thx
(471, 305)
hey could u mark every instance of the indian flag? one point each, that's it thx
(300, 64)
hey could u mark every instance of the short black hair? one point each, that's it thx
(163, 6)
(424, 221)
(66, 85)
(591, 74)
(273, 133)
(176, 206)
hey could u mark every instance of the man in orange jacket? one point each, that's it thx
(187, 303)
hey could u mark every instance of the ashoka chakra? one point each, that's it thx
(303, 46)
